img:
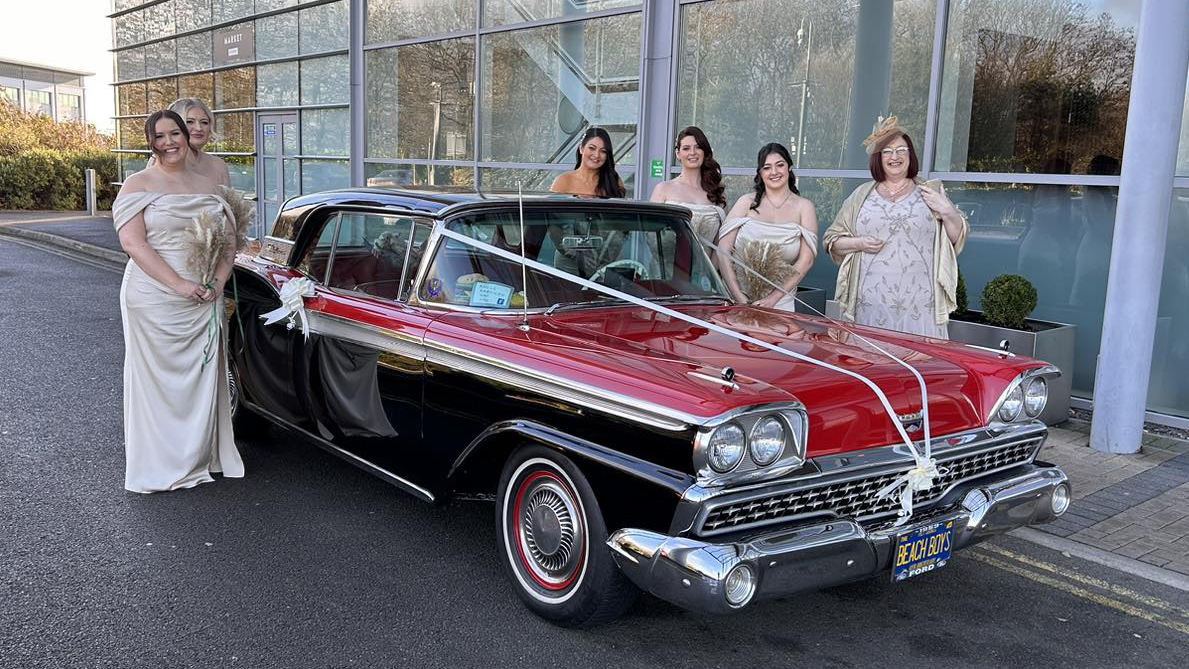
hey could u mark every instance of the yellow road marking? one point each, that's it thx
(1181, 627)
(1089, 580)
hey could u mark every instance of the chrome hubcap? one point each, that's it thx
(550, 532)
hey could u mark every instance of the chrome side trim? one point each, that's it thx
(366, 334)
(559, 388)
(275, 250)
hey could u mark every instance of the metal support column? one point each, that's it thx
(872, 87)
(1141, 225)
(355, 56)
(655, 132)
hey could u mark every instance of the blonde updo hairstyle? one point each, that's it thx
(183, 105)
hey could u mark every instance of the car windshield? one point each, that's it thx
(648, 255)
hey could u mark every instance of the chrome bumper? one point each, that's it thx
(692, 573)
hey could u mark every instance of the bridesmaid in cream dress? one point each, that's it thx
(773, 231)
(699, 187)
(177, 412)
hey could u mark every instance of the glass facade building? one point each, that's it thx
(1019, 106)
(40, 89)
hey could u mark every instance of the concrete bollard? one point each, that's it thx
(89, 186)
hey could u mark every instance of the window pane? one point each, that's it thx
(1035, 86)
(320, 175)
(130, 64)
(11, 95)
(243, 173)
(235, 89)
(1183, 153)
(276, 36)
(323, 28)
(159, 20)
(129, 28)
(1059, 238)
(226, 10)
(194, 52)
(131, 133)
(391, 20)
(269, 5)
(502, 12)
(276, 85)
(389, 175)
(160, 59)
(131, 99)
(543, 87)
(131, 163)
(192, 14)
(325, 80)
(493, 179)
(201, 86)
(234, 133)
(419, 101)
(325, 132)
(162, 93)
(1168, 389)
(805, 88)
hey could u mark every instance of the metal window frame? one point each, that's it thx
(211, 27)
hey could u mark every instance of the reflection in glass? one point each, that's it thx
(225, 10)
(1168, 389)
(392, 20)
(276, 36)
(323, 28)
(194, 52)
(131, 133)
(243, 172)
(158, 20)
(324, 80)
(390, 175)
(543, 87)
(289, 181)
(320, 175)
(506, 179)
(505, 12)
(235, 132)
(201, 86)
(276, 84)
(420, 102)
(162, 93)
(1183, 152)
(758, 71)
(270, 179)
(160, 59)
(129, 28)
(193, 14)
(130, 64)
(235, 89)
(289, 144)
(325, 132)
(1035, 85)
(131, 163)
(131, 99)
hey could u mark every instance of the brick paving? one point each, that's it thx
(1136, 506)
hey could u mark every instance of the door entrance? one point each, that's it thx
(279, 176)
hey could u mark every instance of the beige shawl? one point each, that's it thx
(945, 257)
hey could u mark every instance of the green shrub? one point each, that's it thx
(107, 171)
(960, 295)
(1008, 299)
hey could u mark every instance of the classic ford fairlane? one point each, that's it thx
(579, 363)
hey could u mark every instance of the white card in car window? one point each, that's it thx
(491, 294)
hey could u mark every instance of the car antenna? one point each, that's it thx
(523, 327)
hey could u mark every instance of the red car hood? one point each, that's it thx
(675, 364)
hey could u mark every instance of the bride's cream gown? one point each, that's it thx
(177, 413)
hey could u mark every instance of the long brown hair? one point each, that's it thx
(711, 171)
(610, 185)
(765, 151)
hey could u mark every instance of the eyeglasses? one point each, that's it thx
(898, 151)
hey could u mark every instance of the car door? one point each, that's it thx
(366, 361)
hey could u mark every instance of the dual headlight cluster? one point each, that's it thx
(1025, 398)
(753, 442)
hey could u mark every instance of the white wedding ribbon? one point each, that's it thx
(920, 477)
(293, 306)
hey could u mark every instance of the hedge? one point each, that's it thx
(50, 179)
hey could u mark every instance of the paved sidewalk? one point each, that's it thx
(1133, 507)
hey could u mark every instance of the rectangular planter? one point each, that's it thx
(814, 297)
(1052, 342)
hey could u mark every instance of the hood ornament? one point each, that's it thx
(912, 422)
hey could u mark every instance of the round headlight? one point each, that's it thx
(740, 585)
(1010, 409)
(1035, 396)
(726, 448)
(767, 440)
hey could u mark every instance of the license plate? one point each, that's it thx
(922, 550)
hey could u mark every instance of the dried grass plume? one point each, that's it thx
(206, 245)
(766, 260)
(242, 211)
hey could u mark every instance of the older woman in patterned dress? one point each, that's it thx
(896, 240)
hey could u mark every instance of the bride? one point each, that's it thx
(177, 411)
(699, 187)
(773, 232)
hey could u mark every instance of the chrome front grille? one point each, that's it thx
(855, 497)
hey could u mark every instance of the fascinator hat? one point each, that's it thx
(883, 129)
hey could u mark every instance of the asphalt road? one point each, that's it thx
(309, 562)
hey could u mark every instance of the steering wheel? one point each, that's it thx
(638, 269)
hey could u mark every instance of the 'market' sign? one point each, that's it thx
(236, 44)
